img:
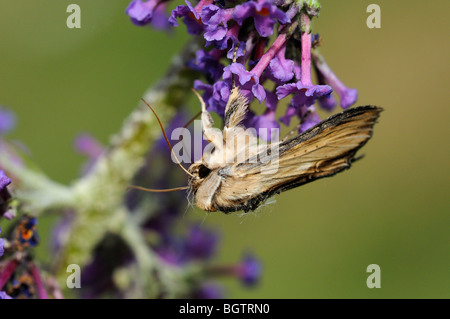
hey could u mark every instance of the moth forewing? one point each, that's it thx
(235, 109)
(322, 151)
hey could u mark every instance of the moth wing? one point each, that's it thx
(235, 109)
(324, 150)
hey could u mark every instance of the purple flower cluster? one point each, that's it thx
(7, 122)
(237, 52)
(5, 196)
(266, 48)
(19, 277)
(151, 12)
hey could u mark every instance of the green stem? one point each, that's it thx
(36, 191)
(99, 195)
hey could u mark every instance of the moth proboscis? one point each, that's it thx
(233, 177)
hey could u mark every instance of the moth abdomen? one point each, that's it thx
(248, 205)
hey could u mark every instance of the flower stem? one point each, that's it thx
(306, 50)
(201, 4)
(347, 95)
(285, 33)
(7, 271)
(42, 293)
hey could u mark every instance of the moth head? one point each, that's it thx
(199, 172)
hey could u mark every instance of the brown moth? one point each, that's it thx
(237, 173)
(234, 177)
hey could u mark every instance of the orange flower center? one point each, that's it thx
(191, 15)
(26, 234)
(264, 12)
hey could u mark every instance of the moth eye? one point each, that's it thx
(203, 171)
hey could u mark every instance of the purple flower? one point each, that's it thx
(179, 120)
(170, 255)
(264, 13)
(231, 41)
(264, 124)
(249, 270)
(208, 291)
(3, 295)
(26, 233)
(97, 276)
(160, 18)
(4, 193)
(198, 244)
(7, 120)
(89, 146)
(308, 118)
(60, 232)
(5, 197)
(307, 115)
(215, 19)
(190, 17)
(271, 100)
(4, 180)
(280, 68)
(290, 112)
(207, 89)
(348, 96)
(216, 33)
(221, 93)
(212, 15)
(86, 144)
(2, 243)
(141, 13)
(208, 63)
(327, 102)
(304, 94)
(201, 243)
(215, 96)
(248, 81)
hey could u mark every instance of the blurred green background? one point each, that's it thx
(390, 209)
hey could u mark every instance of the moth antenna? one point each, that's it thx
(158, 190)
(192, 119)
(167, 140)
(185, 127)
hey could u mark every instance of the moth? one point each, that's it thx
(232, 175)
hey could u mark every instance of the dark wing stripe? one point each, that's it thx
(335, 120)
